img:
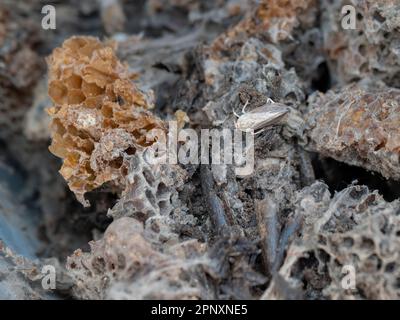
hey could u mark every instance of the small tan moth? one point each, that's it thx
(261, 118)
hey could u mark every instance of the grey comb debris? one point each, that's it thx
(323, 198)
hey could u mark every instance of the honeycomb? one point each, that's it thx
(126, 264)
(150, 189)
(99, 116)
(371, 49)
(359, 125)
(354, 228)
(280, 17)
(124, 253)
(275, 19)
(257, 37)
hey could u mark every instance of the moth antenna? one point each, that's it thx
(244, 107)
(260, 131)
(234, 112)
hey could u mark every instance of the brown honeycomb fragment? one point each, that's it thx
(257, 37)
(275, 19)
(359, 126)
(99, 115)
(280, 17)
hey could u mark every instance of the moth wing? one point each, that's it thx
(248, 121)
(267, 115)
(269, 107)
